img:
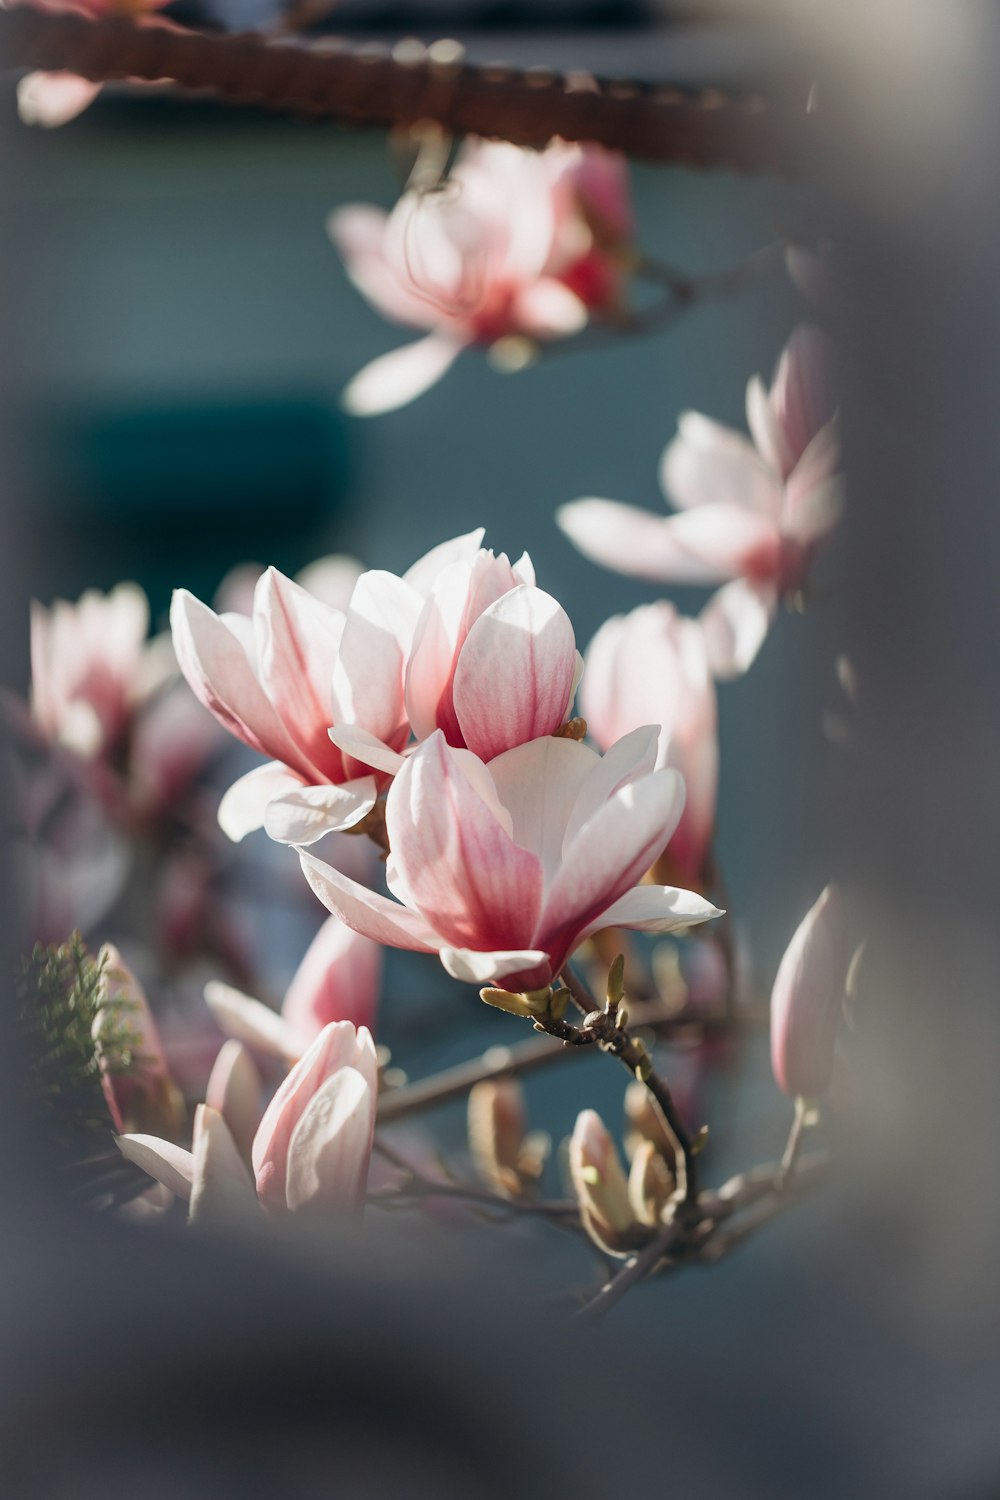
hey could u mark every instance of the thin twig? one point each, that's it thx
(635, 1270)
(418, 1185)
(741, 1207)
(684, 291)
(616, 1040)
(539, 1051)
(365, 85)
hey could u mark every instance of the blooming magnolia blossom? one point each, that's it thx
(514, 243)
(463, 641)
(338, 980)
(753, 511)
(279, 680)
(310, 1150)
(91, 665)
(807, 999)
(53, 99)
(502, 869)
(651, 666)
(493, 660)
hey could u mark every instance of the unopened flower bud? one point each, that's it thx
(140, 1093)
(807, 999)
(649, 1123)
(601, 1188)
(496, 1133)
(532, 1003)
(651, 1184)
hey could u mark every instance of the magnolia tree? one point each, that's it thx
(450, 776)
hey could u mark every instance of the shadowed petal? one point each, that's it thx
(365, 749)
(304, 815)
(484, 968)
(244, 806)
(251, 1021)
(366, 911)
(164, 1161)
(234, 1090)
(221, 1190)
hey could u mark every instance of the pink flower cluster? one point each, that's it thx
(463, 642)
(508, 843)
(514, 243)
(310, 1147)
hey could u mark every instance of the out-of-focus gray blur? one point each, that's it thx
(174, 264)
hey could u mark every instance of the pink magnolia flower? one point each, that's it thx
(502, 869)
(310, 1150)
(278, 682)
(493, 660)
(751, 511)
(90, 667)
(651, 666)
(339, 979)
(144, 1095)
(514, 243)
(53, 99)
(807, 999)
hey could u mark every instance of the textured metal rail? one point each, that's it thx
(365, 85)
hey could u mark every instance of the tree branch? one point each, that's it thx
(540, 1051)
(362, 85)
(751, 1199)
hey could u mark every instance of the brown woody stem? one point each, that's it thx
(362, 85)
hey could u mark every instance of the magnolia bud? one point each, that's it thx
(649, 1123)
(601, 1189)
(651, 1184)
(496, 1133)
(141, 1096)
(807, 999)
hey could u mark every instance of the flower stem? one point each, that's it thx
(615, 1039)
